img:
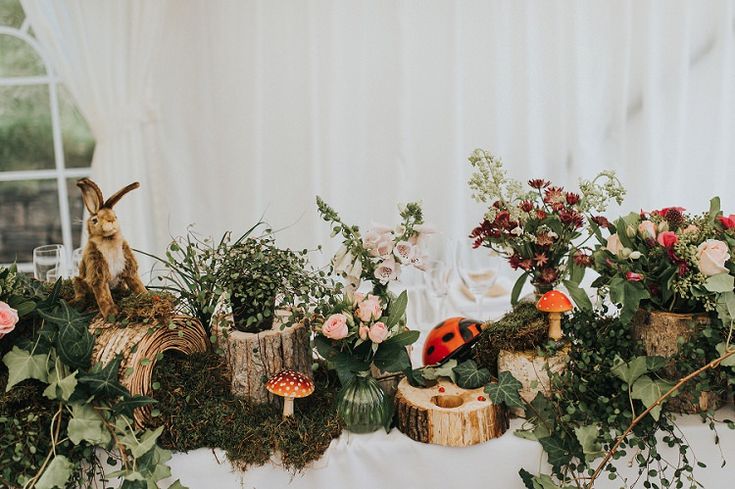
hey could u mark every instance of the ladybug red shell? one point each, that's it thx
(449, 336)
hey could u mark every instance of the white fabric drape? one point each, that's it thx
(104, 52)
(368, 103)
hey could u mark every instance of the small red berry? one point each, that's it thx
(441, 389)
(481, 398)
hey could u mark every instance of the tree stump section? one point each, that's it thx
(253, 358)
(454, 418)
(659, 333)
(139, 345)
(532, 371)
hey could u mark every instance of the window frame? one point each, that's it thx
(59, 172)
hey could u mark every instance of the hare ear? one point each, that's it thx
(91, 195)
(114, 198)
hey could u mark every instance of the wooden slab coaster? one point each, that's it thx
(455, 417)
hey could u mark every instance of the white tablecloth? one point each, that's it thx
(379, 460)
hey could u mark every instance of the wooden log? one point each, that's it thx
(253, 358)
(532, 371)
(659, 333)
(456, 417)
(139, 345)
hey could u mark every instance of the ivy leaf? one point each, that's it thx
(629, 295)
(74, 342)
(397, 309)
(581, 299)
(87, 425)
(722, 282)
(527, 478)
(62, 384)
(629, 372)
(558, 455)
(130, 403)
(505, 390)
(445, 369)
(177, 485)
(102, 382)
(729, 361)
(147, 441)
(469, 376)
(22, 365)
(714, 209)
(648, 391)
(541, 413)
(587, 438)
(57, 474)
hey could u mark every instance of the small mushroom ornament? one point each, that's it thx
(290, 384)
(555, 303)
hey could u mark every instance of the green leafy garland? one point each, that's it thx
(50, 352)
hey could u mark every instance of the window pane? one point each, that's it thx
(11, 13)
(29, 217)
(26, 140)
(76, 210)
(18, 58)
(78, 140)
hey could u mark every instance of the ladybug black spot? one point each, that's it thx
(430, 350)
(447, 337)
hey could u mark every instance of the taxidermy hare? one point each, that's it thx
(108, 261)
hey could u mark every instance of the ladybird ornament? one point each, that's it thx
(449, 338)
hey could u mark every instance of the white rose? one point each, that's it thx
(647, 229)
(635, 255)
(614, 245)
(711, 257)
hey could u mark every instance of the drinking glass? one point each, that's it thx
(437, 278)
(76, 260)
(49, 262)
(478, 270)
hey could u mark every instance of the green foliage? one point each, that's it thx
(469, 376)
(524, 328)
(505, 390)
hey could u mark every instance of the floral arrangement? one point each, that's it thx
(379, 255)
(670, 260)
(535, 228)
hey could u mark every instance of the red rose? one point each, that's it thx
(727, 222)
(667, 239)
(633, 277)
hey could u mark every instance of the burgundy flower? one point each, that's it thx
(514, 262)
(539, 183)
(554, 194)
(633, 277)
(526, 264)
(526, 206)
(572, 198)
(549, 275)
(557, 206)
(600, 221)
(674, 217)
(683, 268)
(582, 259)
(543, 239)
(571, 217)
(541, 259)
(540, 214)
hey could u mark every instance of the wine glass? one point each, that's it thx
(437, 277)
(76, 260)
(478, 270)
(49, 262)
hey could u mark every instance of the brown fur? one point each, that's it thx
(107, 260)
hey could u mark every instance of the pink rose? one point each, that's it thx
(633, 277)
(378, 332)
(614, 245)
(667, 239)
(387, 271)
(727, 222)
(335, 327)
(8, 319)
(369, 308)
(647, 230)
(363, 332)
(711, 257)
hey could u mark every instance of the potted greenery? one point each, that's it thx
(672, 274)
(269, 295)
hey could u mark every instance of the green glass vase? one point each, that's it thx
(363, 404)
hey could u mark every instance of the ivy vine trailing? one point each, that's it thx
(609, 404)
(49, 376)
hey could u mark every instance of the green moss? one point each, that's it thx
(524, 328)
(198, 411)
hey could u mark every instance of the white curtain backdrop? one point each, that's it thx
(104, 52)
(263, 104)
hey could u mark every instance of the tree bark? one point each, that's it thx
(456, 417)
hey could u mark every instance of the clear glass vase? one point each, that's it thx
(363, 404)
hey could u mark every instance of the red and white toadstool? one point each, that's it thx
(290, 384)
(555, 303)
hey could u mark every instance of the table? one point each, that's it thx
(379, 460)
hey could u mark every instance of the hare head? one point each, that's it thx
(102, 220)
